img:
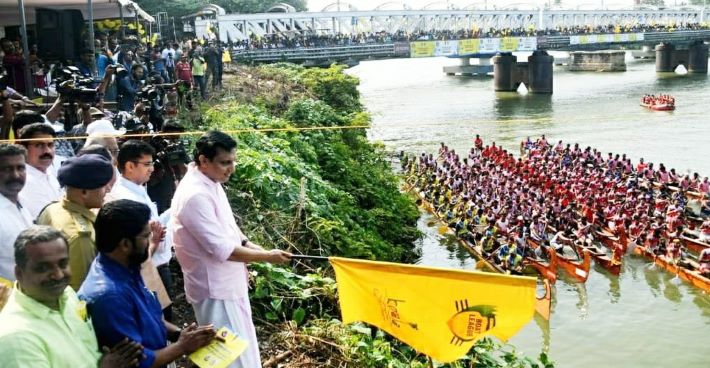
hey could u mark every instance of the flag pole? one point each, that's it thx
(300, 256)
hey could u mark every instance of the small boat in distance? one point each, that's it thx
(658, 103)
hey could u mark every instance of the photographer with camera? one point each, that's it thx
(171, 160)
(128, 88)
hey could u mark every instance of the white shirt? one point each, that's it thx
(40, 190)
(126, 189)
(14, 220)
(164, 253)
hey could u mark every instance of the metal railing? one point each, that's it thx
(378, 51)
(317, 53)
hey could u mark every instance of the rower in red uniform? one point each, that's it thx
(478, 143)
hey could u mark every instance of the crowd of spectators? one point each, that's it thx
(92, 219)
(291, 40)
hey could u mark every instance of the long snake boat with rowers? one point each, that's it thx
(547, 270)
(691, 276)
(549, 276)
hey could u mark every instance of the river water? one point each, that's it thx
(645, 317)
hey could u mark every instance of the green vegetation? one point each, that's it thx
(319, 192)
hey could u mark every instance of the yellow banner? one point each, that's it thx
(509, 44)
(470, 46)
(422, 49)
(438, 312)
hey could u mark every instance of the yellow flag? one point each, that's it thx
(438, 312)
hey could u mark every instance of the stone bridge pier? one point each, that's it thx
(694, 59)
(536, 73)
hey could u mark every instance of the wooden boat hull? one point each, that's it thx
(658, 107)
(691, 276)
(548, 270)
(542, 303)
(600, 258)
(579, 270)
(694, 245)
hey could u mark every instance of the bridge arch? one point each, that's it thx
(339, 6)
(478, 5)
(281, 8)
(392, 5)
(430, 6)
(520, 6)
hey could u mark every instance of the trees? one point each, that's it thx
(178, 8)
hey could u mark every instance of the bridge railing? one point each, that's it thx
(649, 38)
(317, 53)
(391, 50)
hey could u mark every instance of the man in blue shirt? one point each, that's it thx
(128, 87)
(119, 303)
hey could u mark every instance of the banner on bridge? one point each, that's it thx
(605, 38)
(472, 46)
(422, 49)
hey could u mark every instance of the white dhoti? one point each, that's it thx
(236, 316)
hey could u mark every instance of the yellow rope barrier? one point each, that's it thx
(235, 131)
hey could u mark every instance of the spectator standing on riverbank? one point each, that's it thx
(198, 72)
(211, 248)
(44, 324)
(119, 301)
(85, 179)
(15, 217)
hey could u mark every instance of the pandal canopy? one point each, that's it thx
(103, 9)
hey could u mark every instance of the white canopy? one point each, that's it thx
(103, 9)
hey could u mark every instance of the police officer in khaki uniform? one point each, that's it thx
(85, 179)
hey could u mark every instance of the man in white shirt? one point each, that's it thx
(168, 55)
(135, 162)
(41, 186)
(211, 248)
(15, 218)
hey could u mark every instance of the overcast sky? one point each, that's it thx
(318, 5)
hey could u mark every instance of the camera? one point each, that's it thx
(121, 71)
(170, 153)
(74, 87)
(147, 94)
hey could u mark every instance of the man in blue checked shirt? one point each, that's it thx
(119, 303)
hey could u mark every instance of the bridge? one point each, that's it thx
(241, 26)
(677, 47)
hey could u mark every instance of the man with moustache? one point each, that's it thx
(86, 180)
(119, 303)
(41, 187)
(44, 324)
(15, 217)
(212, 250)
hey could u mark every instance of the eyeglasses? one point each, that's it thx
(146, 164)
